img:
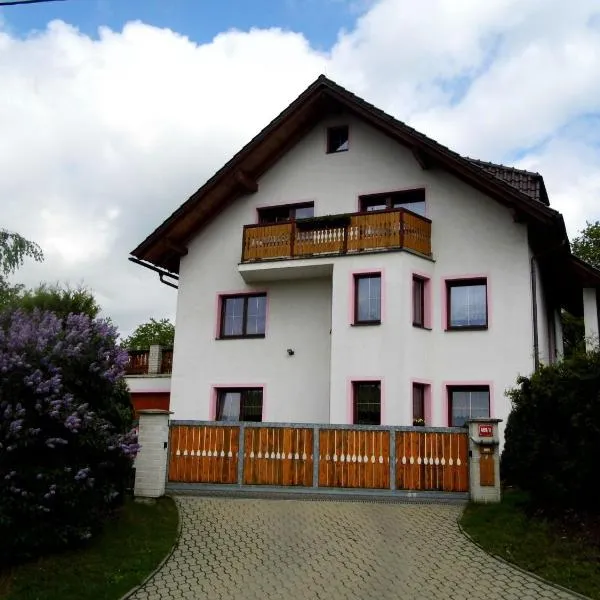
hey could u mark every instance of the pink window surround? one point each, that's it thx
(214, 391)
(444, 296)
(245, 292)
(450, 384)
(427, 310)
(352, 293)
(391, 190)
(427, 384)
(350, 381)
(257, 208)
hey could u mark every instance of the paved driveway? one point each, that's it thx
(287, 549)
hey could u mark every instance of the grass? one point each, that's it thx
(128, 550)
(565, 554)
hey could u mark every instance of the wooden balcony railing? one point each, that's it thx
(338, 234)
(139, 362)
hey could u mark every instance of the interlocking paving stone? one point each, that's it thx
(286, 549)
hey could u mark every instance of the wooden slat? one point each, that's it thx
(278, 456)
(203, 454)
(267, 241)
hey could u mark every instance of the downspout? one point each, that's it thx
(162, 273)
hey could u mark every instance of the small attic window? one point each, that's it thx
(337, 139)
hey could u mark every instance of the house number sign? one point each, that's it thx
(486, 430)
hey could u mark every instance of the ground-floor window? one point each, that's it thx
(467, 402)
(367, 402)
(419, 403)
(239, 404)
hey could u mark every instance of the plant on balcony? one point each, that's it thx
(66, 444)
(419, 422)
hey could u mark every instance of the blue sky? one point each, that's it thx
(200, 20)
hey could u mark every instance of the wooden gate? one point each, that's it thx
(432, 461)
(278, 456)
(325, 456)
(203, 454)
(354, 459)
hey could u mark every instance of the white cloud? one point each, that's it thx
(102, 139)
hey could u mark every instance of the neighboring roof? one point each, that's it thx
(527, 182)
(517, 189)
(588, 275)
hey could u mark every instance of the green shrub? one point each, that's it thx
(552, 438)
(66, 445)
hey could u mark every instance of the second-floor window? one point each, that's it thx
(413, 200)
(243, 316)
(285, 213)
(367, 299)
(467, 304)
(418, 297)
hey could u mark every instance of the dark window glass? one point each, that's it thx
(418, 404)
(418, 302)
(239, 404)
(337, 139)
(467, 304)
(467, 402)
(367, 403)
(243, 316)
(413, 200)
(283, 214)
(367, 308)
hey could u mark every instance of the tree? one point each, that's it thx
(61, 300)
(587, 245)
(66, 439)
(160, 332)
(14, 249)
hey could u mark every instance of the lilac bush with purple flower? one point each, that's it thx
(66, 439)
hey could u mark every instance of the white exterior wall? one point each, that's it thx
(148, 383)
(472, 235)
(591, 318)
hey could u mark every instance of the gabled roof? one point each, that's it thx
(520, 190)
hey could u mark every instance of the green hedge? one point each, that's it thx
(552, 438)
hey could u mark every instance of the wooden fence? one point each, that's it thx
(338, 234)
(327, 456)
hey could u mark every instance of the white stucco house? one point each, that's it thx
(345, 268)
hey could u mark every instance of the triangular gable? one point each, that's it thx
(239, 176)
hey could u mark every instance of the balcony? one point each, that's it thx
(338, 235)
(139, 363)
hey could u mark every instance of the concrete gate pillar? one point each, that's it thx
(484, 460)
(151, 461)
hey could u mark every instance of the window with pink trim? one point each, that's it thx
(243, 316)
(420, 302)
(239, 404)
(419, 393)
(467, 402)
